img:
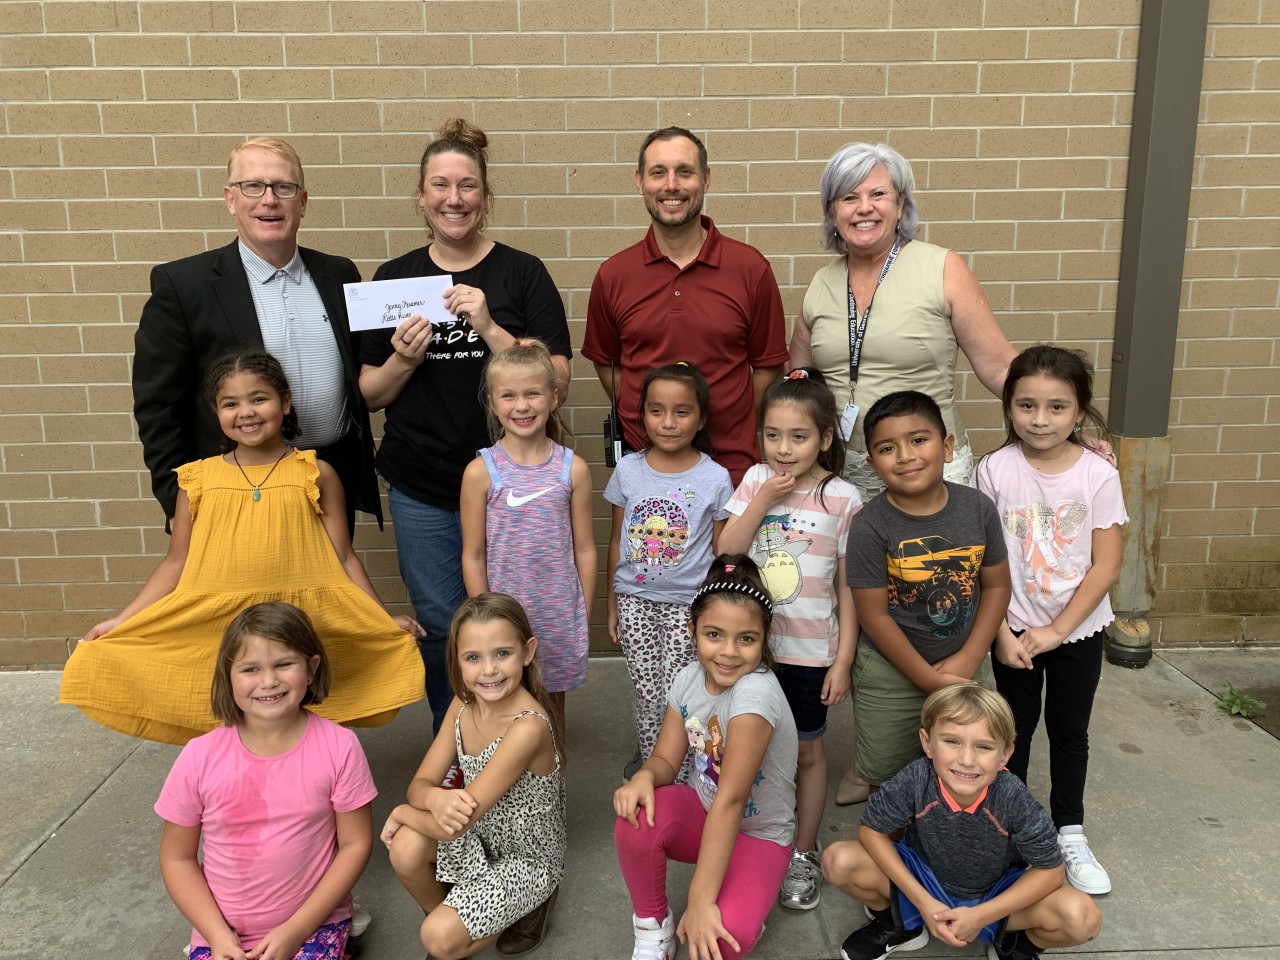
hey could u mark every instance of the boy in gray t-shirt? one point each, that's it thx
(929, 573)
(980, 860)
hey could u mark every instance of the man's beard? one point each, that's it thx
(656, 211)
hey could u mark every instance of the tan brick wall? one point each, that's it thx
(118, 117)
(1219, 571)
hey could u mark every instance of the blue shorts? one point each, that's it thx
(803, 689)
(924, 873)
(327, 943)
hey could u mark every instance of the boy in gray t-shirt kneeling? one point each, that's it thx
(980, 858)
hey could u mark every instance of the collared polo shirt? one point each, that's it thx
(297, 331)
(722, 312)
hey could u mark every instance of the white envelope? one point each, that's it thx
(385, 304)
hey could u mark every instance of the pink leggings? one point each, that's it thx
(751, 882)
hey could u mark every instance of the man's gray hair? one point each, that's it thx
(852, 164)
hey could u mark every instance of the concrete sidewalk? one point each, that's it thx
(1181, 811)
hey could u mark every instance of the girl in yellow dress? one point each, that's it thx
(261, 522)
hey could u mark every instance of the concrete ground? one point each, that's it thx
(1181, 811)
(1254, 673)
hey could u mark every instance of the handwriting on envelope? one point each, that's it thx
(385, 304)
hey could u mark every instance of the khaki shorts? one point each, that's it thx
(886, 710)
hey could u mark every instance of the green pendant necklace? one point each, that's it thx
(257, 487)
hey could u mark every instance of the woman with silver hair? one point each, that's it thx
(927, 303)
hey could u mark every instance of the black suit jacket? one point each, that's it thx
(200, 307)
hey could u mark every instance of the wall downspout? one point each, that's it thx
(1166, 110)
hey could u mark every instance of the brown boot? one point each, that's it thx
(525, 935)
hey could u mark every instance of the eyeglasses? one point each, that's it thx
(256, 188)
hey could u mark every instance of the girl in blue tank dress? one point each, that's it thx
(526, 515)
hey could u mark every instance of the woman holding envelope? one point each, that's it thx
(427, 376)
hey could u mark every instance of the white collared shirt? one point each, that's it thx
(297, 331)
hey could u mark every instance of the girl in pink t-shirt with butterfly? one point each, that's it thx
(1061, 506)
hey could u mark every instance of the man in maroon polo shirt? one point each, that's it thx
(686, 292)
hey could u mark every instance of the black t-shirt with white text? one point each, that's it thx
(437, 423)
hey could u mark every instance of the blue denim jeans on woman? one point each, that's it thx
(429, 545)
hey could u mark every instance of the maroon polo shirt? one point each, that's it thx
(722, 312)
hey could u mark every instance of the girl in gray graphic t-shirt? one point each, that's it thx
(737, 820)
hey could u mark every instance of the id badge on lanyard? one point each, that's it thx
(857, 333)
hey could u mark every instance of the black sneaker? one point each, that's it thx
(881, 937)
(1012, 945)
(633, 765)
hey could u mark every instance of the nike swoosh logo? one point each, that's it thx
(514, 501)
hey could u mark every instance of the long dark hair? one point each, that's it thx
(688, 374)
(1059, 363)
(807, 388)
(734, 577)
(262, 365)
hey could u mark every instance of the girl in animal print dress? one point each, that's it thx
(487, 857)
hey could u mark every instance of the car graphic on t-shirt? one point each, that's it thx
(934, 579)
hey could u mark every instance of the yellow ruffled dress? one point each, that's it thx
(150, 676)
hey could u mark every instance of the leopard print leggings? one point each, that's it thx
(655, 640)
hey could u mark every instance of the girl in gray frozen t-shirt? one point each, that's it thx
(737, 820)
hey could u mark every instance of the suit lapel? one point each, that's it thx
(231, 285)
(335, 305)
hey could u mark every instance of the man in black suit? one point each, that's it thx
(261, 290)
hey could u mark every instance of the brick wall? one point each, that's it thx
(1220, 575)
(118, 117)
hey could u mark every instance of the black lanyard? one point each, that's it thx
(858, 328)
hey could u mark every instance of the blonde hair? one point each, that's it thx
(533, 354)
(272, 145)
(966, 703)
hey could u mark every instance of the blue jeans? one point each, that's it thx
(429, 546)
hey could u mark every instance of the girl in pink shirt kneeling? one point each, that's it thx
(281, 798)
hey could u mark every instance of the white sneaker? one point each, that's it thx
(1084, 872)
(654, 941)
(360, 920)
